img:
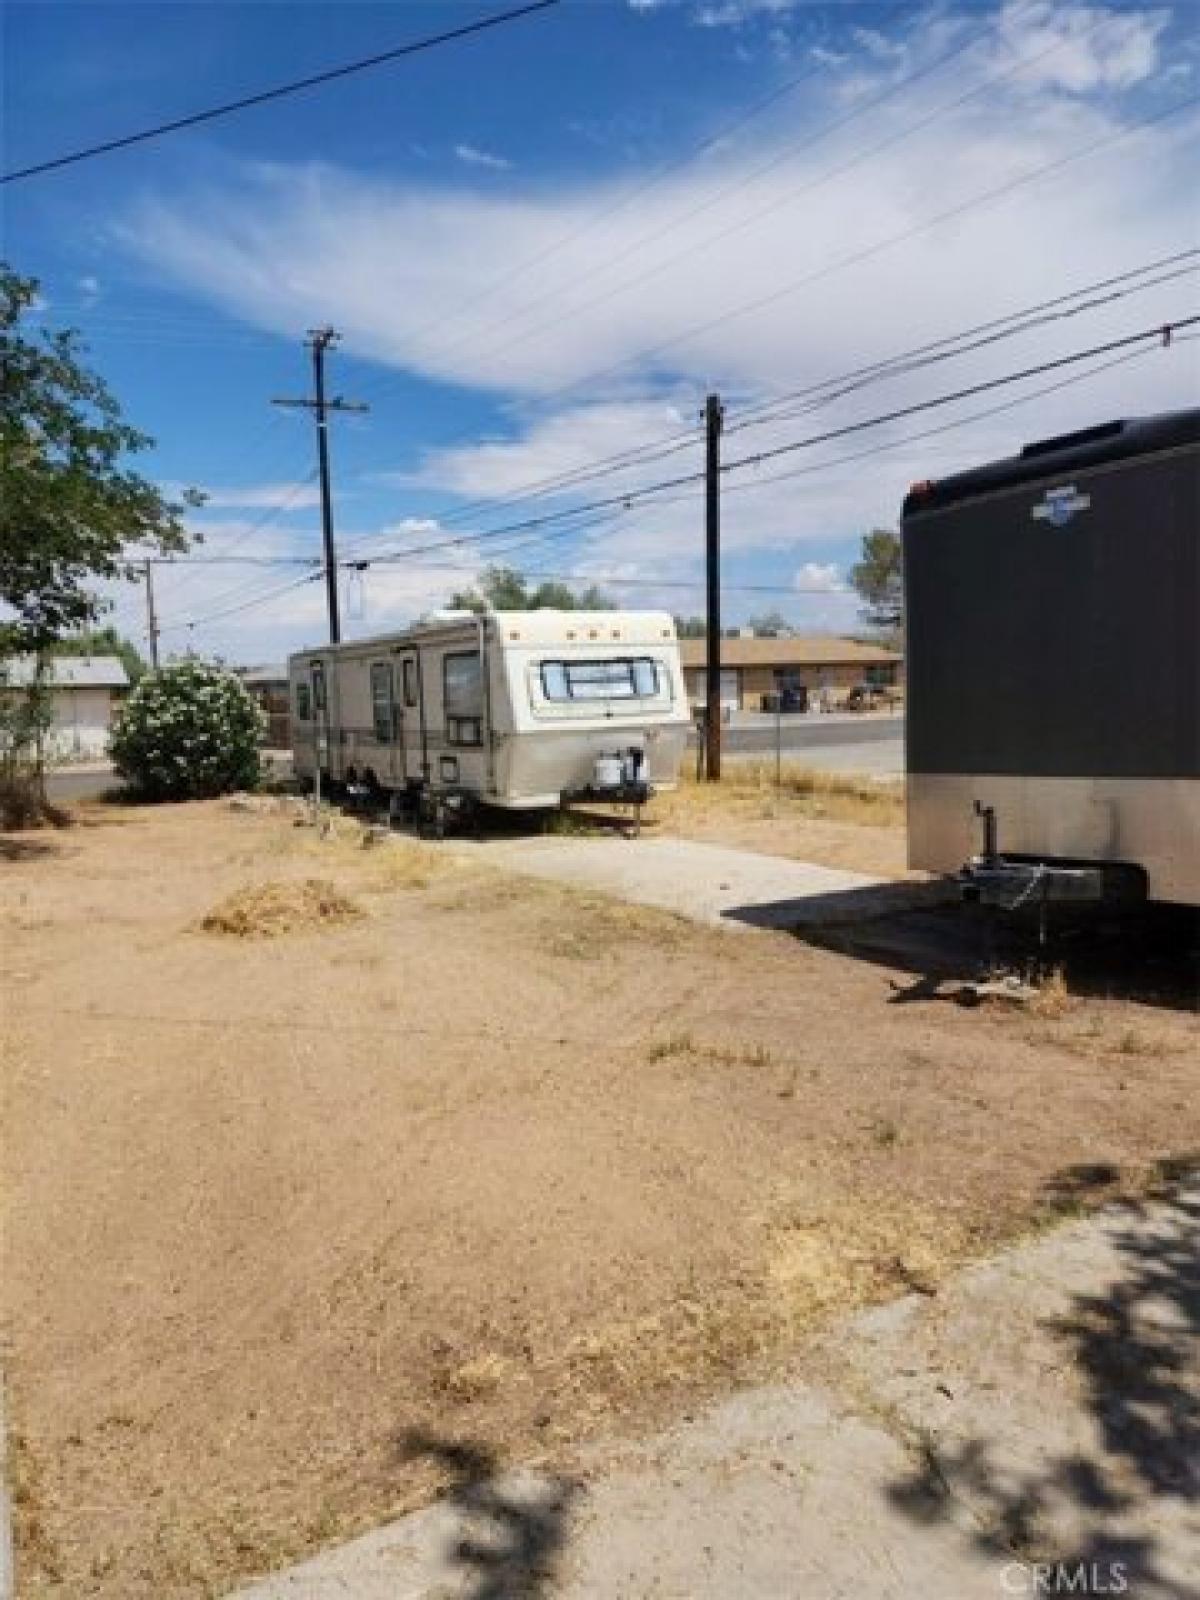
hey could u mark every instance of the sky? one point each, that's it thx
(543, 246)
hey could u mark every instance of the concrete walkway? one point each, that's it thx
(1043, 1407)
(706, 882)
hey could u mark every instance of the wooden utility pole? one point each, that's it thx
(319, 341)
(151, 617)
(714, 417)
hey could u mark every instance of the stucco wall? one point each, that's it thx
(82, 721)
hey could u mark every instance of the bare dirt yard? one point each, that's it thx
(312, 1151)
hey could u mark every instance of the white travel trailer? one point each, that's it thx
(519, 709)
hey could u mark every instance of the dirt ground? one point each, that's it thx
(474, 1158)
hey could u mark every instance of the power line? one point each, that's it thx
(986, 197)
(1023, 320)
(296, 86)
(838, 170)
(638, 496)
(1164, 332)
(944, 427)
(860, 110)
(935, 352)
(271, 515)
(567, 522)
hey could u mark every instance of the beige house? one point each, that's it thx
(84, 691)
(752, 667)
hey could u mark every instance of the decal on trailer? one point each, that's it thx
(1058, 506)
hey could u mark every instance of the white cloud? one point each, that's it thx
(823, 577)
(88, 285)
(1094, 47)
(265, 496)
(435, 280)
(556, 445)
(734, 13)
(878, 44)
(472, 156)
(479, 290)
(826, 57)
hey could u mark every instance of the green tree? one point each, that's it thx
(502, 588)
(102, 642)
(187, 732)
(505, 589)
(878, 580)
(26, 715)
(768, 624)
(70, 505)
(691, 627)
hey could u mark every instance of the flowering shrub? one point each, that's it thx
(186, 732)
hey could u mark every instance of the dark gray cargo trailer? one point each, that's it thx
(1053, 667)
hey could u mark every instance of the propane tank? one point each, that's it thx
(608, 772)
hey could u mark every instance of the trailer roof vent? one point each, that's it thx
(1071, 441)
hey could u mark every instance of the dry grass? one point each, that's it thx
(749, 789)
(266, 910)
(1053, 999)
(456, 1186)
(599, 926)
(677, 1045)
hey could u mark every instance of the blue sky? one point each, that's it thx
(533, 267)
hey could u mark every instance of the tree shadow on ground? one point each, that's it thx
(511, 1534)
(1134, 1349)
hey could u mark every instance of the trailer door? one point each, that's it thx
(386, 725)
(412, 737)
(320, 711)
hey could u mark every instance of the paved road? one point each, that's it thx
(863, 744)
(753, 733)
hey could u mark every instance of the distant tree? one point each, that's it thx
(691, 627)
(102, 642)
(70, 506)
(504, 589)
(769, 623)
(551, 595)
(593, 598)
(878, 580)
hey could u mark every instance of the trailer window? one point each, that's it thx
(381, 700)
(462, 697)
(622, 678)
(303, 703)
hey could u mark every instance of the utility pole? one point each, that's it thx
(151, 617)
(714, 418)
(319, 341)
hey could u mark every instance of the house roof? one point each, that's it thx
(813, 650)
(264, 673)
(68, 672)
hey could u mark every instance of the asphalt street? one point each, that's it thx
(836, 743)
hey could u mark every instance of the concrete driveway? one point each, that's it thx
(1035, 1420)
